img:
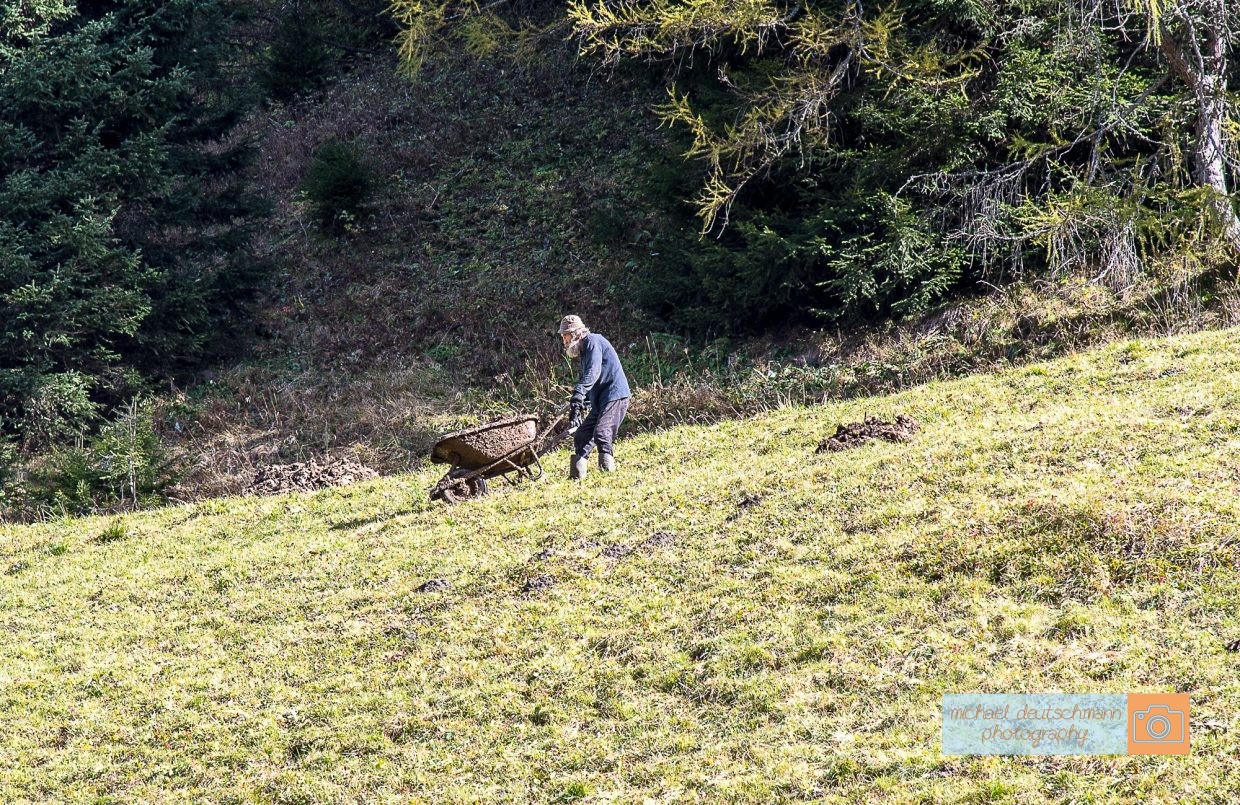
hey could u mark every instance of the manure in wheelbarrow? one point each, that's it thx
(509, 448)
(855, 434)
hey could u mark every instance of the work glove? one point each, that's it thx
(576, 413)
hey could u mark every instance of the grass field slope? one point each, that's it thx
(732, 617)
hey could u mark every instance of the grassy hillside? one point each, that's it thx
(506, 194)
(732, 617)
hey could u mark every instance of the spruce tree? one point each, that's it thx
(125, 222)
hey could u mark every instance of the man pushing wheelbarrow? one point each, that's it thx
(512, 448)
(604, 387)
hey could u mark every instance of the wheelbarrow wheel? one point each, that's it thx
(465, 489)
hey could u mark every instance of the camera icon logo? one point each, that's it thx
(1157, 723)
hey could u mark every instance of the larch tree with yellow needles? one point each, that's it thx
(879, 156)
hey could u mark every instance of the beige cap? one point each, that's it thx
(570, 324)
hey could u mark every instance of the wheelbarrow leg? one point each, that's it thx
(536, 464)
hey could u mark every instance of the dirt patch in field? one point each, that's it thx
(659, 539)
(435, 586)
(581, 543)
(747, 503)
(855, 434)
(617, 550)
(537, 584)
(306, 476)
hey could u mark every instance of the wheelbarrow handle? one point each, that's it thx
(555, 423)
(538, 442)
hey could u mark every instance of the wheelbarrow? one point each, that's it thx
(509, 448)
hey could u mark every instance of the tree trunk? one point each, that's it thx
(1209, 166)
(1202, 65)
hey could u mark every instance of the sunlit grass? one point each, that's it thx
(1068, 526)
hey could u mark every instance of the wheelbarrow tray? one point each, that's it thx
(480, 446)
(512, 445)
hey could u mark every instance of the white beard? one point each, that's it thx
(573, 350)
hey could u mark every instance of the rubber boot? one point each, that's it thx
(606, 462)
(577, 470)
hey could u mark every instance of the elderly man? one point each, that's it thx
(603, 385)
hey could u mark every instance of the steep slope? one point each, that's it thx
(731, 617)
(507, 193)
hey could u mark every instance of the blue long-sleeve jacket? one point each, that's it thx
(602, 376)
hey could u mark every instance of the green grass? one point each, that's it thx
(1070, 526)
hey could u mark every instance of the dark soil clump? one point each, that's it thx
(537, 584)
(855, 434)
(276, 479)
(617, 551)
(660, 539)
(435, 586)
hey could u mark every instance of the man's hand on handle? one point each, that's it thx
(576, 413)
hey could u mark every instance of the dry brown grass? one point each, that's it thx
(389, 416)
(385, 419)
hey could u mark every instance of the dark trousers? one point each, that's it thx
(600, 428)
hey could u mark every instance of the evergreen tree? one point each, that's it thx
(23, 22)
(124, 219)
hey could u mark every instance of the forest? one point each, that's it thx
(226, 225)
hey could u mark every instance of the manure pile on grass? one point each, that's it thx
(307, 476)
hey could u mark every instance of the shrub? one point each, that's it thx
(850, 258)
(339, 185)
(12, 491)
(56, 407)
(126, 465)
